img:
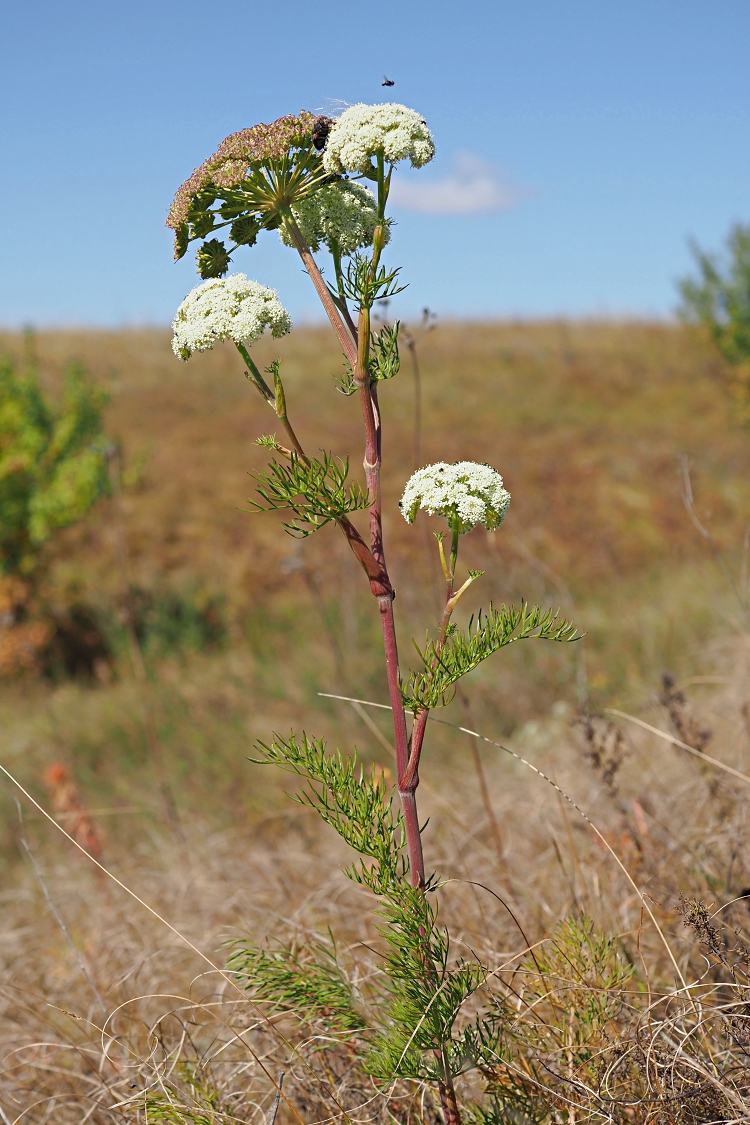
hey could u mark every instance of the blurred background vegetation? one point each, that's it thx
(185, 627)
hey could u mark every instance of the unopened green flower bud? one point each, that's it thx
(202, 224)
(244, 231)
(212, 259)
(181, 240)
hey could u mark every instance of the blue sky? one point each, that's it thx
(581, 143)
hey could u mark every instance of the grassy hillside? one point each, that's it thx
(587, 422)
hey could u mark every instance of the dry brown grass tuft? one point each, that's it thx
(182, 1034)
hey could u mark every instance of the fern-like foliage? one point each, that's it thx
(188, 1097)
(364, 287)
(309, 983)
(428, 1015)
(417, 1036)
(315, 491)
(462, 651)
(385, 361)
(345, 384)
(411, 1024)
(562, 1034)
(352, 801)
(409, 1027)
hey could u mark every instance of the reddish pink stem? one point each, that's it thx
(345, 338)
(406, 792)
(372, 559)
(372, 459)
(420, 722)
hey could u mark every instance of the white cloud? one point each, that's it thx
(472, 187)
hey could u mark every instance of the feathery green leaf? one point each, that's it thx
(315, 491)
(355, 803)
(462, 651)
(308, 983)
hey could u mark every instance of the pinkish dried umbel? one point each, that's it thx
(239, 152)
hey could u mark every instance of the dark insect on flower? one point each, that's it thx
(387, 82)
(235, 157)
(320, 131)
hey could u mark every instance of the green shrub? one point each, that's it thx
(53, 463)
(720, 300)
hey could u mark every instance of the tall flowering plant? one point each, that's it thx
(309, 178)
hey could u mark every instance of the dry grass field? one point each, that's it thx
(588, 423)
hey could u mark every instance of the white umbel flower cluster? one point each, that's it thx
(362, 131)
(473, 492)
(344, 214)
(227, 308)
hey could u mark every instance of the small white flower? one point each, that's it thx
(473, 492)
(344, 213)
(227, 308)
(363, 131)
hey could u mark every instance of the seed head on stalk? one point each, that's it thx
(249, 183)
